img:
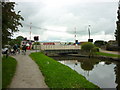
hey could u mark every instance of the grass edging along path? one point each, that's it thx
(8, 70)
(108, 54)
(58, 75)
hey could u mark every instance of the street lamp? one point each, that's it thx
(89, 31)
(89, 40)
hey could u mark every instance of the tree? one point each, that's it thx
(20, 38)
(117, 31)
(16, 41)
(88, 46)
(10, 21)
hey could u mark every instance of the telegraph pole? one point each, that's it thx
(75, 34)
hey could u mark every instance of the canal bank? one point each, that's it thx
(104, 73)
(58, 75)
(97, 57)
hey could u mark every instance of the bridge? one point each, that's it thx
(60, 49)
(63, 51)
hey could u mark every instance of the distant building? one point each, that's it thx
(50, 43)
(82, 42)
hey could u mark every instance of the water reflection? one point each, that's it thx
(105, 74)
(117, 72)
(87, 65)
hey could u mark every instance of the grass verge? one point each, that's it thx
(8, 70)
(58, 75)
(107, 54)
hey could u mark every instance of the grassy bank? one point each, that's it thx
(107, 54)
(58, 75)
(8, 70)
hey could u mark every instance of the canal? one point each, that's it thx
(104, 73)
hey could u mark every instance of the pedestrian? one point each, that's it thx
(18, 49)
(15, 48)
(24, 49)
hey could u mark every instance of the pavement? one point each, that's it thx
(27, 73)
(111, 52)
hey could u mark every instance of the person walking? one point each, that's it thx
(15, 48)
(24, 49)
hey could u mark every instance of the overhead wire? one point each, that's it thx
(41, 28)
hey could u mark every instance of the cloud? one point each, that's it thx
(61, 17)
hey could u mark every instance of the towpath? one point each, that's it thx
(111, 52)
(27, 73)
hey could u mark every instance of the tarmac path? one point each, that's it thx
(111, 52)
(27, 73)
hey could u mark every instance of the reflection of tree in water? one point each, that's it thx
(117, 72)
(88, 65)
(107, 63)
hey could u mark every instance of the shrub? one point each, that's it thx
(100, 43)
(36, 43)
(95, 49)
(88, 46)
(112, 47)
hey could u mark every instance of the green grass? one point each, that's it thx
(8, 70)
(107, 54)
(58, 75)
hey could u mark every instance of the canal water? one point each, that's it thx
(104, 73)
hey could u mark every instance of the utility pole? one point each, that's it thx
(30, 30)
(75, 34)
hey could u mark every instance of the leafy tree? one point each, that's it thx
(16, 41)
(10, 21)
(89, 49)
(117, 31)
(20, 38)
(88, 46)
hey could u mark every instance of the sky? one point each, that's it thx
(57, 20)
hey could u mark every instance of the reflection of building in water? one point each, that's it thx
(117, 72)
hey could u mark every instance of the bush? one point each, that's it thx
(95, 49)
(36, 43)
(88, 46)
(112, 47)
(100, 43)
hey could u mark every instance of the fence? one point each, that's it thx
(53, 47)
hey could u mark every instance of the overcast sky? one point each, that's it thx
(55, 20)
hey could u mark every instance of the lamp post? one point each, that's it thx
(89, 40)
(89, 31)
